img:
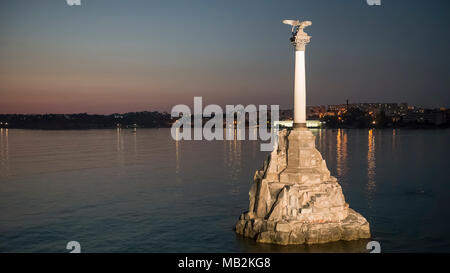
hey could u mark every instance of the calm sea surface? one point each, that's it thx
(115, 191)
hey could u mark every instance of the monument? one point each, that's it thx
(293, 198)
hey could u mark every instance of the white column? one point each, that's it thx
(299, 40)
(300, 88)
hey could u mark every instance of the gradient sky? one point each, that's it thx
(132, 55)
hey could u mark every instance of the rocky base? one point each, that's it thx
(353, 227)
(295, 200)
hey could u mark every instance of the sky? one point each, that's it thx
(116, 56)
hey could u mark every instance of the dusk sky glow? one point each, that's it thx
(135, 55)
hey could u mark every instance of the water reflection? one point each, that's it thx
(1, 147)
(394, 134)
(330, 146)
(177, 151)
(53, 179)
(178, 173)
(249, 245)
(371, 184)
(135, 144)
(120, 147)
(4, 152)
(341, 153)
(233, 158)
(321, 138)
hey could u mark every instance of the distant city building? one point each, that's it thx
(337, 108)
(315, 112)
(435, 117)
(309, 123)
(389, 109)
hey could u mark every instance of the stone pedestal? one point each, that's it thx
(295, 200)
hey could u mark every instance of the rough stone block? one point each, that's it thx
(294, 200)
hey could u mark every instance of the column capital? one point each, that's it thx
(299, 37)
(300, 41)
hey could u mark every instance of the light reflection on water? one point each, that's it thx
(4, 151)
(341, 148)
(371, 164)
(118, 191)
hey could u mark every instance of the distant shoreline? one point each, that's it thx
(427, 127)
(352, 118)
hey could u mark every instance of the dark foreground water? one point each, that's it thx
(115, 191)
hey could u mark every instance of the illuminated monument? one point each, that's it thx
(293, 198)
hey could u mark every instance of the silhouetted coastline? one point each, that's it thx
(352, 119)
(86, 121)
